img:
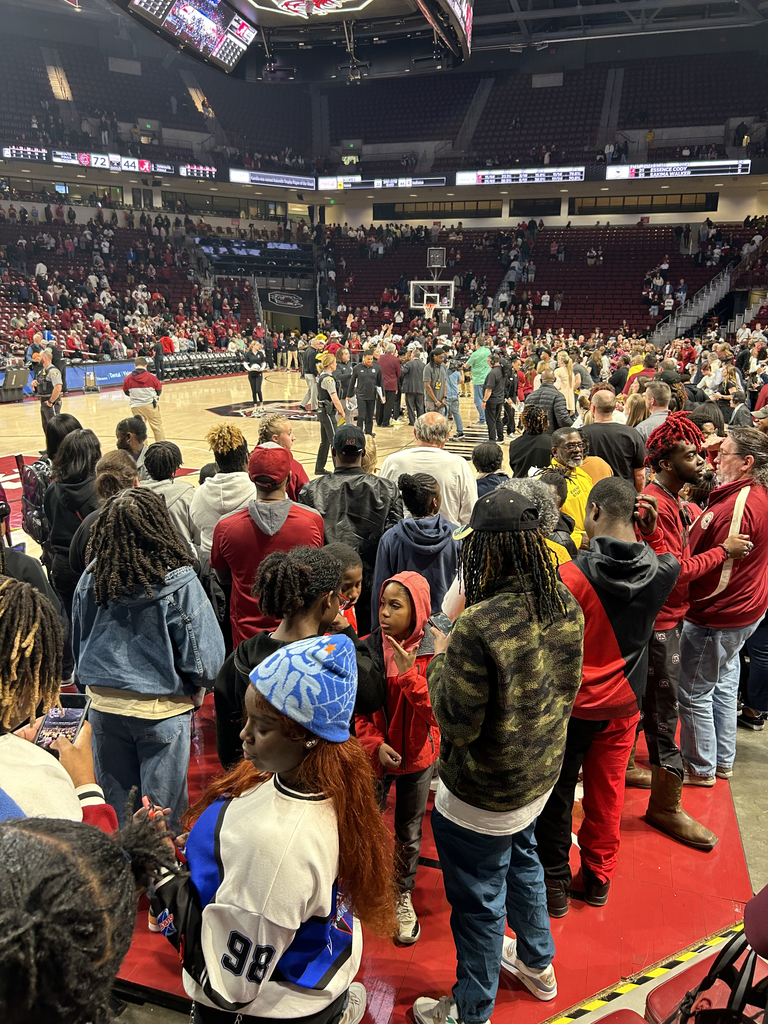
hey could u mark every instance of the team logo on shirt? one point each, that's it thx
(664, 684)
(706, 519)
(165, 923)
(661, 637)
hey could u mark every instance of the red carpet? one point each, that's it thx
(665, 897)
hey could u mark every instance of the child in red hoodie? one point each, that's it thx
(403, 739)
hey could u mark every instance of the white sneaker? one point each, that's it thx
(437, 1011)
(408, 927)
(542, 984)
(358, 1000)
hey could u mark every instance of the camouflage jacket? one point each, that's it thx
(502, 695)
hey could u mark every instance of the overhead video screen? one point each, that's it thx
(210, 28)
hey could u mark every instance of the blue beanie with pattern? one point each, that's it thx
(314, 683)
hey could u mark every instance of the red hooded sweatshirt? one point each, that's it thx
(406, 722)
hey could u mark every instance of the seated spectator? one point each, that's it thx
(423, 542)
(162, 462)
(63, 941)
(141, 595)
(487, 458)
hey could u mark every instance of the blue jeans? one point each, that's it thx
(452, 408)
(488, 879)
(757, 684)
(478, 390)
(709, 686)
(150, 754)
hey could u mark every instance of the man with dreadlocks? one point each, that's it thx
(620, 585)
(501, 691)
(147, 643)
(673, 453)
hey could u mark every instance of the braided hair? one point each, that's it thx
(288, 582)
(677, 428)
(134, 544)
(31, 642)
(534, 420)
(162, 459)
(229, 446)
(67, 911)
(487, 561)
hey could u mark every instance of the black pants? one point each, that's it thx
(270, 354)
(330, 1015)
(385, 409)
(365, 409)
(326, 417)
(47, 412)
(660, 708)
(412, 791)
(255, 380)
(65, 591)
(159, 368)
(414, 403)
(509, 418)
(494, 417)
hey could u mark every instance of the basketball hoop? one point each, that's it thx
(429, 308)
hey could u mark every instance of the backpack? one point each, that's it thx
(34, 483)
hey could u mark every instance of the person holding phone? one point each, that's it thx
(402, 738)
(56, 781)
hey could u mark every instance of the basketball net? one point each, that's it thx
(429, 308)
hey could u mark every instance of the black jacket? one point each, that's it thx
(232, 683)
(66, 506)
(547, 397)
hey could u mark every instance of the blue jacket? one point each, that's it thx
(490, 483)
(425, 546)
(169, 645)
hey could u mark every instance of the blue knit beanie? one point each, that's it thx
(313, 682)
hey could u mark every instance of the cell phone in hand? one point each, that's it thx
(66, 721)
(441, 621)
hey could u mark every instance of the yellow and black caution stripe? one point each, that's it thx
(638, 980)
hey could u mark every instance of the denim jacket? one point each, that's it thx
(169, 645)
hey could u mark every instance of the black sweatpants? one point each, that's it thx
(494, 417)
(365, 411)
(660, 707)
(412, 792)
(255, 380)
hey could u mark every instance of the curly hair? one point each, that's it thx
(31, 644)
(67, 913)
(677, 428)
(229, 446)
(133, 544)
(344, 773)
(534, 420)
(488, 560)
(289, 581)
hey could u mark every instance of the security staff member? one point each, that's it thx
(494, 396)
(48, 385)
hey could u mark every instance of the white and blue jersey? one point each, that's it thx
(276, 938)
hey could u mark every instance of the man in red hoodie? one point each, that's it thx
(673, 452)
(726, 606)
(143, 390)
(621, 585)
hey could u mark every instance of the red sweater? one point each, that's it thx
(735, 593)
(240, 545)
(673, 537)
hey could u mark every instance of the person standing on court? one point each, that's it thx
(255, 362)
(493, 400)
(478, 368)
(367, 378)
(143, 390)
(48, 385)
(435, 384)
(309, 372)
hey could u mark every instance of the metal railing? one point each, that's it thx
(694, 309)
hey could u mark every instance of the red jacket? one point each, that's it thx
(406, 723)
(391, 371)
(735, 593)
(674, 538)
(762, 398)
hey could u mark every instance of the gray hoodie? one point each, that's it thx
(219, 496)
(178, 496)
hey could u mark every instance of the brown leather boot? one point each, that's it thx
(638, 778)
(667, 815)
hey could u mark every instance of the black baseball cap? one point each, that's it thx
(349, 441)
(501, 511)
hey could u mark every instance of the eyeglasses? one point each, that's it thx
(573, 446)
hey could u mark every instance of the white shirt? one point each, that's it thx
(36, 781)
(489, 823)
(457, 482)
